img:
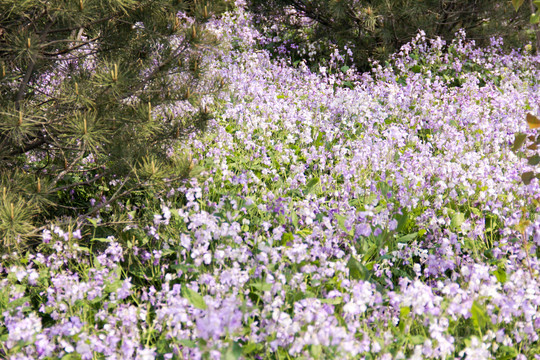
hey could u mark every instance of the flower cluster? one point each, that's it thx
(382, 220)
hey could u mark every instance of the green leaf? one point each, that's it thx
(315, 351)
(344, 68)
(348, 84)
(527, 177)
(500, 274)
(407, 238)
(479, 316)
(194, 298)
(476, 211)
(332, 301)
(357, 270)
(535, 18)
(417, 340)
(517, 4)
(403, 220)
(261, 286)
(304, 233)
(19, 302)
(188, 343)
(519, 140)
(233, 352)
(294, 219)
(251, 347)
(534, 160)
(404, 312)
(457, 220)
(311, 185)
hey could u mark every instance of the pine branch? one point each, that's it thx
(87, 182)
(29, 71)
(68, 50)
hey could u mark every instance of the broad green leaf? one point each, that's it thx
(357, 270)
(348, 84)
(534, 19)
(517, 4)
(534, 160)
(294, 219)
(311, 186)
(19, 302)
(476, 211)
(518, 141)
(261, 286)
(194, 298)
(251, 347)
(315, 351)
(527, 177)
(233, 352)
(305, 233)
(403, 221)
(479, 316)
(332, 301)
(344, 68)
(407, 238)
(188, 343)
(167, 252)
(457, 220)
(404, 312)
(500, 274)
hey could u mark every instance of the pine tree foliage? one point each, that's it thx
(375, 29)
(90, 90)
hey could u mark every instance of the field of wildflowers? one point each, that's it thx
(330, 215)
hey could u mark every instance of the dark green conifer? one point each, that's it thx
(375, 29)
(80, 82)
